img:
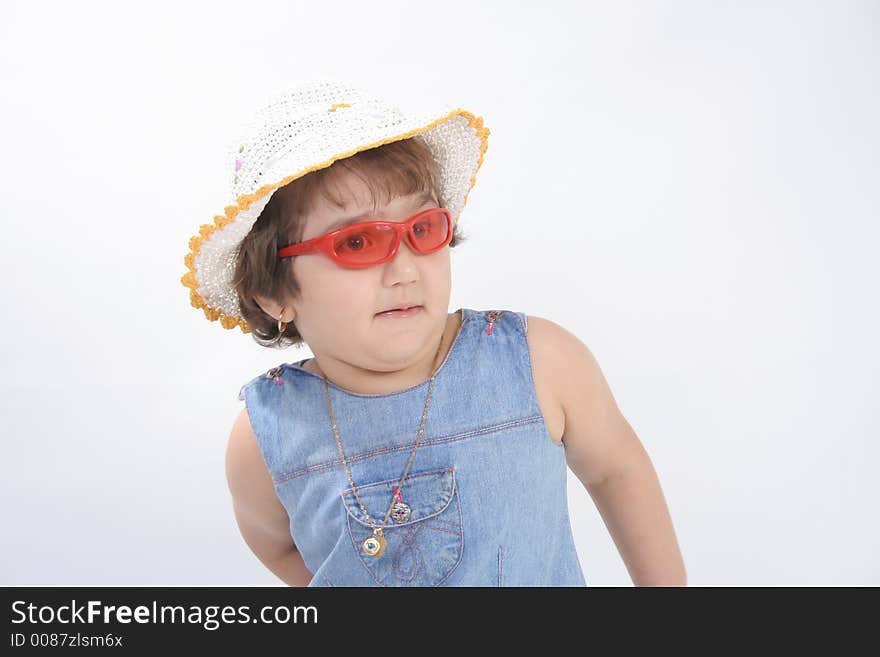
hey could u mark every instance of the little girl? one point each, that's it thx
(417, 447)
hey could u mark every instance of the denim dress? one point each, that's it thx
(485, 498)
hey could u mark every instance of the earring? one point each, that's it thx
(281, 327)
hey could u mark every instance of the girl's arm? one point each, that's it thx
(604, 452)
(261, 518)
(291, 569)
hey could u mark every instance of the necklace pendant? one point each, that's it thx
(400, 512)
(375, 544)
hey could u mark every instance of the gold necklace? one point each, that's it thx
(375, 544)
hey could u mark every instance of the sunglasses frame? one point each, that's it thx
(324, 243)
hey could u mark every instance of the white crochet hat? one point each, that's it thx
(303, 129)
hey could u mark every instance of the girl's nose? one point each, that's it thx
(403, 264)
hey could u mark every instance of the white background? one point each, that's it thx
(689, 187)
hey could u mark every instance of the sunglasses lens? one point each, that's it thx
(367, 244)
(430, 231)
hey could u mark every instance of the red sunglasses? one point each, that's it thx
(371, 243)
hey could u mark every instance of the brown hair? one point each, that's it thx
(396, 169)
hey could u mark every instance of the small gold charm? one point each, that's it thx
(375, 544)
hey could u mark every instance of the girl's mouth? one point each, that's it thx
(401, 314)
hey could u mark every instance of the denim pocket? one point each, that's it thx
(424, 545)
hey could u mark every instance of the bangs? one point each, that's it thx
(387, 172)
(397, 169)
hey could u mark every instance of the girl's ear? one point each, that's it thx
(275, 310)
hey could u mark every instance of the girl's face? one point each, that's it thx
(336, 313)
